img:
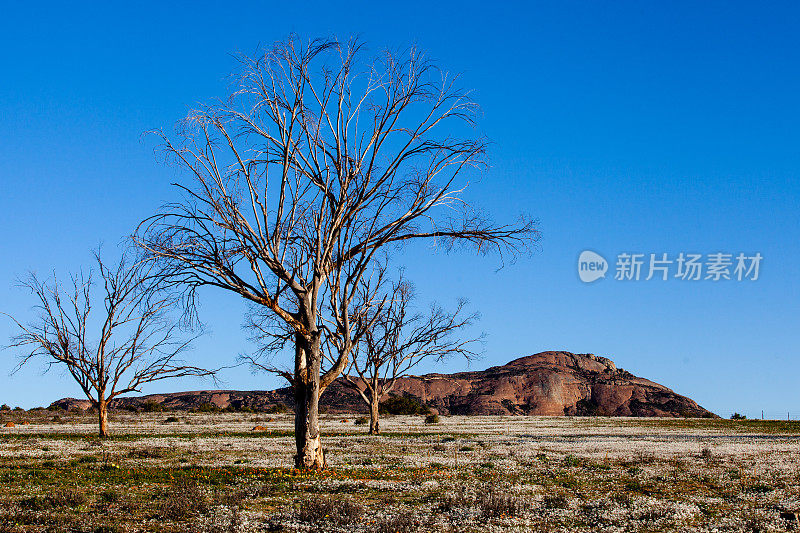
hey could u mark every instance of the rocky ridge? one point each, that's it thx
(546, 383)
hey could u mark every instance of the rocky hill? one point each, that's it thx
(546, 383)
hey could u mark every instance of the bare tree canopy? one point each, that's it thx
(320, 158)
(111, 348)
(400, 339)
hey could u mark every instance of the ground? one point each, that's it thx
(212, 472)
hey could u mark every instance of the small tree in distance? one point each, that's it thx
(401, 339)
(108, 349)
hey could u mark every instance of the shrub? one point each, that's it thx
(361, 420)
(18, 409)
(5, 407)
(208, 408)
(318, 510)
(494, 504)
(171, 420)
(403, 405)
(152, 406)
(432, 419)
(737, 416)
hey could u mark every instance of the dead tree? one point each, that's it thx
(320, 158)
(399, 340)
(109, 348)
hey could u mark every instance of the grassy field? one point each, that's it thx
(214, 473)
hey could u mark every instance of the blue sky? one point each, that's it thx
(640, 126)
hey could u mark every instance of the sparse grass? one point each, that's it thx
(322, 509)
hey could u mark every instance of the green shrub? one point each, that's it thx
(432, 419)
(5, 407)
(152, 406)
(737, 416)
(276, 409)
(403, 405)
(171, 420)
(208, 408)
(361, 420)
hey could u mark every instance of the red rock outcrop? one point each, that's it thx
(546, 383)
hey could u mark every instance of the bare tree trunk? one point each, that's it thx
(102, 417)
(306, 411)
(374, 428)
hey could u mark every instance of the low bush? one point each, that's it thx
(403, 405)
(493, 504)
(208, 408)
(432, 419)
(322, 509)
(152, 406)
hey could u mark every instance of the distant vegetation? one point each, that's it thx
(403, 405)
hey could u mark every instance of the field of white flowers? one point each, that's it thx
(215, 472)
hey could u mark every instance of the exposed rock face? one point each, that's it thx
(547, 383)
(550, 383)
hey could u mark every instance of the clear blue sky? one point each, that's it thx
(642, 126)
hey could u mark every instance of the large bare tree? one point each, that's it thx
(112, 347)
(320, 157)
(399, 339)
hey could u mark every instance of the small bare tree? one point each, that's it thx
(320, 158)
(109, 349)
(399, 340)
